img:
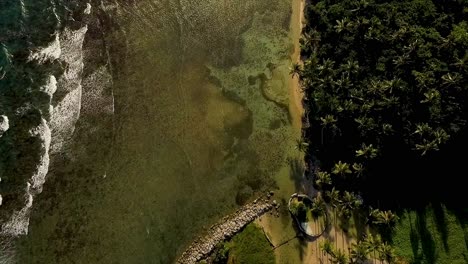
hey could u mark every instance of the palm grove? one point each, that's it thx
(385, 86)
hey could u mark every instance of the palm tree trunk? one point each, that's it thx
(316, 248)
(342, 238)
(334, 220)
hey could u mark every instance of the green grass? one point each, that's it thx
(432, 235)
(251, 246)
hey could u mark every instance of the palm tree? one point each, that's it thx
(359, 253)
(424, 79)
(358, 169)
(431, 96)
(322, 178)
(387, 129)
(326, 68)
(343, 83)
(299, 210)
(351, 67)
(423, 129)
(367, 151)
(372, 243)
(349, 203)
(365, 124)
(386, 218)
(340, 25)
(340, 258)
(327, 247)
(427, 146)
(451, 79)
(387, 253)
(328, 121)
(441, 136)
(334, 197)
(373, 215)
(318, 207)
(341, 168)
(309, 40)
(461, 63)
(296, 69)
(302, 145)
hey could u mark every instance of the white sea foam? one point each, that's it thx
(24, 11)
(64, 117)
(38, 179)
(87, 11)
(4, 124)
(66, 47)
(97, 93)
(49, 52)
(19, 221)
(66, 112)
(50, 86)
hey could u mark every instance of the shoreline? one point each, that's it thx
(296, 107)
(280, 230)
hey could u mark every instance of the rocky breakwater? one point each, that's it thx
(225, 229)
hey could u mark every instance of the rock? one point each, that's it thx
(4, 124)
(272, 193)
(225, 229)
(275, 203)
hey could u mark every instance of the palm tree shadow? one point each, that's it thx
(296, 172)
(427, 241)
(302, 246)
(302, 242)
(462, 219)
(441, 223)
(359, 220)
(414, 238)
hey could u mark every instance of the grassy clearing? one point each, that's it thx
(250, 246)
(432, 235)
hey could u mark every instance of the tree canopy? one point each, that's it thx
(386, 87)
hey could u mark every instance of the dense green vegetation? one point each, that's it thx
(386, 89)
(386, 93)
(249, 246)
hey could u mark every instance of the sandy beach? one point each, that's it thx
(296, 108)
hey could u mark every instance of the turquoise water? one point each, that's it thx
(200, 123)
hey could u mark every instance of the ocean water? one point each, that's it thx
(166, 116)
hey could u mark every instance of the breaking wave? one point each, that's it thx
(40, 102)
